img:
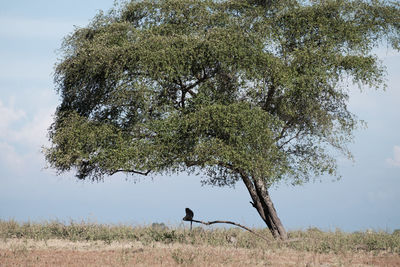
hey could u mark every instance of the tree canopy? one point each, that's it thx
(229, 89)
(221, 85)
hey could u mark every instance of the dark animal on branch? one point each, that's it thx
(189, 215)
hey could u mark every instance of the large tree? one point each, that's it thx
(251, 91)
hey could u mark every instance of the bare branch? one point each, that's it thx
(233, 223)
(290, 139)
(131, 171)
(248, 229)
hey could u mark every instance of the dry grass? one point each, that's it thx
(20, 252)
(87, 244)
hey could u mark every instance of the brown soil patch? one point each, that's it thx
(19, 252)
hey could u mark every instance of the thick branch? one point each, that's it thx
(268, 100)
(233, 223)
(251, 231)
(200, 80)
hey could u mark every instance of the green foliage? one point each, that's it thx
(224, 88)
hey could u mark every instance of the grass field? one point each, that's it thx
(89, 244)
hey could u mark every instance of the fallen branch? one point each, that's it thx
(233, 223)
(189, 218)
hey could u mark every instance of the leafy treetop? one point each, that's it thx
(227, 88)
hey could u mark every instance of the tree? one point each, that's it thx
(251, 91)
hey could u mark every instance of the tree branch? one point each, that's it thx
(131, 171)
(233, 223)
(248, 229)
(290, 139)
(270, 94)
(199, 81)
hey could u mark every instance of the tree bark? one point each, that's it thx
(264, 206)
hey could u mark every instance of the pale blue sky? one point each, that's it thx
(368, 195)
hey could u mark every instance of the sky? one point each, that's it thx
(31, 33)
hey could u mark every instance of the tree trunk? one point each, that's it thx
(264, 206)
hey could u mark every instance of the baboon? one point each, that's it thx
(189, 215)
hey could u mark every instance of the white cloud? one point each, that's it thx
(395, 161)
(8, 155)
(21, 137)
(8, 116)
(34, 132)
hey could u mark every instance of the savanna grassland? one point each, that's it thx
(90, 244)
